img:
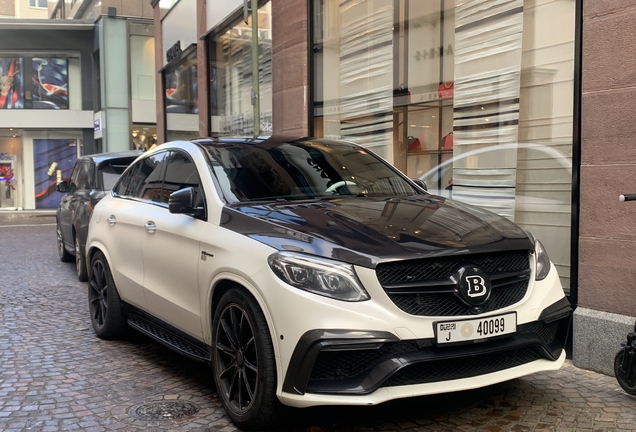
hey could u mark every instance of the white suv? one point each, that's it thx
(312, 272)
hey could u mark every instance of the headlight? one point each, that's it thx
(318, 275)
(543, 262)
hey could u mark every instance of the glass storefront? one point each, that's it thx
(144, 136)
(230, 53)
(475, 98)
(10, 158)
(32, 162)
(181, 97)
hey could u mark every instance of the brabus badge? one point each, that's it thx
(473, 285)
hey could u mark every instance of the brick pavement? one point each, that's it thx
(56, 375)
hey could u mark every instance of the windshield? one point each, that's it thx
(303, 170)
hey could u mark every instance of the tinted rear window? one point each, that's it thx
(111, 172)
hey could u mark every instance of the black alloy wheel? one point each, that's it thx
(61, 249)
(80, 262)
(244, 368)
(104, 303)
(626, 378)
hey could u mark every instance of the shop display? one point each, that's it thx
(63, 153)
(11, 83)
(49, 83)
(46, 86)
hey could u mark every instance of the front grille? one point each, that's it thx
(446, 370)
(448, 304)
(442, 267)
(430, 271)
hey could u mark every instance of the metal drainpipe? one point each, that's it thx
(256, 93)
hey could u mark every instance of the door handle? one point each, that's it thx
(150, 227)
(112, 220)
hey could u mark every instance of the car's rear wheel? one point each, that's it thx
(243, 360)
(65, 256)
(104, 303)
(80, 262)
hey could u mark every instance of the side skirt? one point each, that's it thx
(168, 336)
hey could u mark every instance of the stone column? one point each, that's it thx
(607, 239)
(290, 76)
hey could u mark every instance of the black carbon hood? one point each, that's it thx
(365, 231)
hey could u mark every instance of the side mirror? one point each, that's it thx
(62, 186)
(182, 202)
(420, 183)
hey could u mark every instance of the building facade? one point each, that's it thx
(67, 90)
(124, 91)
(46, 107)
(505, 105)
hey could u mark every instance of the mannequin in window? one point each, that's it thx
(447, 142)
(413, 144)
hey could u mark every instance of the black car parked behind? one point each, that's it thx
(93, 176)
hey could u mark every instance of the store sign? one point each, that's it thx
(434, 52)
(97, 125)
(174, 51)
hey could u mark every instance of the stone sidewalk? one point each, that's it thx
(28, 217)
(55, 375)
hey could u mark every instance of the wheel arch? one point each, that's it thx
(90, 253)
(223, 283)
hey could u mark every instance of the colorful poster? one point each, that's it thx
(52, 156)
(11, 83)
(49, 83)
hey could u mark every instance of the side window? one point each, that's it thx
(123, 184)
(79, 180)
(76, 171)
(90, 170)
(148, 178)
(180, 174)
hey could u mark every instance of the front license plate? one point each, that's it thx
(473, 329)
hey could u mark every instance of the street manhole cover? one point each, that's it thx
(163, 410)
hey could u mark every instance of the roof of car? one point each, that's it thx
(269, 140)
(98, 158)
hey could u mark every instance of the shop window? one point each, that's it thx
(8, 172)
(144, 136)
(181, 97)
(54, 160)
(480, 109)
(230, 92)
(33, 83)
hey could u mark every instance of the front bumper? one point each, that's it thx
(356, 363)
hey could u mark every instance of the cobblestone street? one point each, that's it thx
(56, 375)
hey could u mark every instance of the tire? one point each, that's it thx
(65, 256)
(80, 262)
(104, 303)
(628, 384)
(243, 361)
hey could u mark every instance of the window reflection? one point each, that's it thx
(231, 96)
(479, 108)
